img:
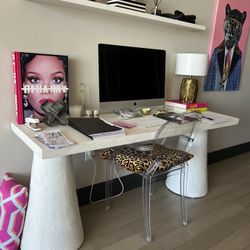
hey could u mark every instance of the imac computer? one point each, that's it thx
(130, 77)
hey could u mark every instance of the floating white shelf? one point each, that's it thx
(100, 7)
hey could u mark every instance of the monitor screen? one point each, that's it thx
(130, 76)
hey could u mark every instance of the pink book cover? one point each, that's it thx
(38, 78)
(178, 104)
(17, 87)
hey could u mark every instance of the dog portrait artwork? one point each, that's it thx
(226, 59)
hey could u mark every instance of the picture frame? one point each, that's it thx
(231, 20)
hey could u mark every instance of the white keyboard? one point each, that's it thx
(147, 121)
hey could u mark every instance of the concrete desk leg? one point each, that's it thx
(197, 170)
(53, 219)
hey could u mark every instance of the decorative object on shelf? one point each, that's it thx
(128, 4)
(178, 15)
(156, 10)
(37, 78)
(135, 15)
(54, 113)
(83, 95)
(75, 110)
(190, 64)
(228, 43)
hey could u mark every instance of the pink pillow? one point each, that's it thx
(13, 202)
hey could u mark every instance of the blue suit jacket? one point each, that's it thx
(215, 71)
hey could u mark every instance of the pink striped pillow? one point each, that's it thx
(13, 202)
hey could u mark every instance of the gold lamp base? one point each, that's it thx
(188, 90)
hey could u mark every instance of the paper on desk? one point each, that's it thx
(54, 139)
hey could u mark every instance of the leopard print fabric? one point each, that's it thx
(139, 161)
(107, 154)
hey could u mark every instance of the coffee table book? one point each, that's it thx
(33, 84)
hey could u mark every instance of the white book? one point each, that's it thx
(128, 7)
(127, 3)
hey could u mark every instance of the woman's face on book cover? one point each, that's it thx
(45, 75)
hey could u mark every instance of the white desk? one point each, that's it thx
(53, 220)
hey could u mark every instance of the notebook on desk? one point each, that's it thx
(95, 128)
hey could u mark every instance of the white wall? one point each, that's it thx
(35, 27)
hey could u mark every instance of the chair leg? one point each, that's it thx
(146, 193)
(183, 193)
(108, 184)
(153, 180)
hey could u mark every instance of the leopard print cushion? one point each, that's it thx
(107, 154)
(139, 161)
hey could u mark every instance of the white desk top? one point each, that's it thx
(84, 144)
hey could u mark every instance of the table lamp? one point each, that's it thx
(190, 64)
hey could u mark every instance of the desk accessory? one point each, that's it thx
(145, 111)
(175, 117)
(156, 10)
(95, 128)
(128, 113)
(75, 110)
(123, 124)
(82, 97)
(32, 123)
(190, 64)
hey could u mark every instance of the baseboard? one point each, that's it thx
(133, 181)
(226, 153)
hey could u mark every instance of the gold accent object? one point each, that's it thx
(188, 90)
(146, 111)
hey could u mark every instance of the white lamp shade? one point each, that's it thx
(191, 64)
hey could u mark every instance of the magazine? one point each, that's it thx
(54, 139)
(38, 78)
(175, 117)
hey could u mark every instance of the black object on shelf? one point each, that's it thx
(178, 15)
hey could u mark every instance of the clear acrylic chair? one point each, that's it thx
(165, 154)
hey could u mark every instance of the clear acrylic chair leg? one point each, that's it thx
(146, 193)
(183, 193)
(153, 180)
(108, 184)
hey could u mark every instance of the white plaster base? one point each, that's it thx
(197, 171)
(53, 219)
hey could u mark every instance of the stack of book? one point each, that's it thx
(178, 107)
(128, 4)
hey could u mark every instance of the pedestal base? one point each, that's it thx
(53, 219)
(197, 170)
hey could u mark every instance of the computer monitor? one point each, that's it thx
(130, 77)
